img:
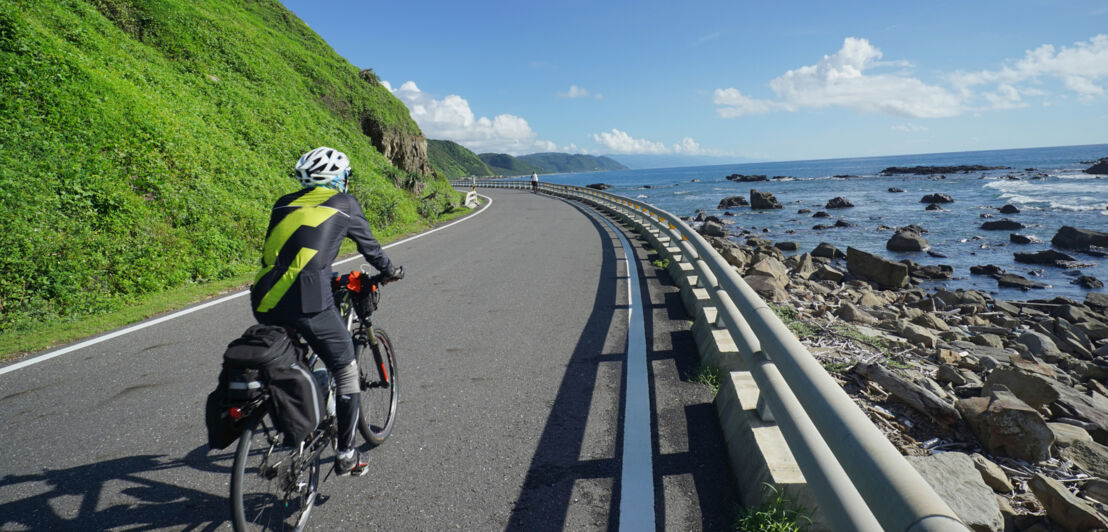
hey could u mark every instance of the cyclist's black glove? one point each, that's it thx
(395, 274)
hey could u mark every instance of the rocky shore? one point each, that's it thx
(1002, 405)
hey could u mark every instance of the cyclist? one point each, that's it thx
(293, 288)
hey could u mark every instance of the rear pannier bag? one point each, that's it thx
(263, 357)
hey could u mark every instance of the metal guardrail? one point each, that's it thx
(859, 478)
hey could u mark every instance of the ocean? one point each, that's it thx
(1047, 185)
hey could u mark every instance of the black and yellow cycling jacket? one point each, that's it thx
(306, 229)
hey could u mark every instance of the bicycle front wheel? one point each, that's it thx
(273, 486)
(379, 396)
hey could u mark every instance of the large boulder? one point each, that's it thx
(711, 228)
(828, 251)
(1011, 280)
(884, 272)
(1034, 389)
(763, 200)
(907, 240)
(1002, 225)
(733, 201)
(1100, 167)
(1074, 238)
(1063, 507)
(1006, 426)
(838, 203)
(1049, 257)
(937, 198)
(956, 481)
(599, 186)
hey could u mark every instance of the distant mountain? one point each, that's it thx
(561, 163)
(504, 164)
(453, 160)
(641, 161)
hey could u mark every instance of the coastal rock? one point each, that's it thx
(1038, 343)
(1032, 388)
(711, 228)
(895, 190)
(934, 207)
(956, 481)
(599, 186)
(785, 246)
(1008, 208)
(990, 270)
(733, 201)
(803, 211)
(991, 474)
(827, 273)
(931, 170)
(886, 273)
(1074, 238)
(838, 203)
(930, 271)
(1090, 455)
(850, 312)
(937, 198)
(1011, 280)
(763, 200)
(1088, 282)
(1006, 426)
(740, 178)
(1100, 167)
(828, 251)
(767, 287)
(1066, 435)
(917, 334)
(1098, 300)
(821, 214)
(907, 240)
(1017, 238)
(1063, 507)
(1002, 225)
(1049, 257)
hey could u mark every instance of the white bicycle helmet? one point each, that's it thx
(324, 167)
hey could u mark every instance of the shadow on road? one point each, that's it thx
(116, 494)
(545, 499)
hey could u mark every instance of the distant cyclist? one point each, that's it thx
(534, 181)
(293, 288)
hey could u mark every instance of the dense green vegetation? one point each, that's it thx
(560, 163)
(504, 164)
(145, 140)
(452, 160)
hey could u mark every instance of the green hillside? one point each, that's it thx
(504, 164)
(145, 141)
(452, 160)
(569, 163)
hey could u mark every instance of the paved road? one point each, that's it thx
(511, 334)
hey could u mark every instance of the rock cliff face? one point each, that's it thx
(407, 152)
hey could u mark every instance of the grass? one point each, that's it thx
(150, 137)
(709, 376)
(791, 318)
(776, 513)
(43, 335)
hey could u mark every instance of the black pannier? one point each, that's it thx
(264, 358)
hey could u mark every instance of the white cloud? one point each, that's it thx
(451, 118)
(1079, 68)
(734, 103)
(909, 128)
(848, 79)
(616, 141)
(842, 80)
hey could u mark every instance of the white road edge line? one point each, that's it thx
(190, 310)
(636, 493)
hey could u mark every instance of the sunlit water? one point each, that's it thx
(1046, 184)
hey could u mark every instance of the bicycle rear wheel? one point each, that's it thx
(273, 486)
(379, 396)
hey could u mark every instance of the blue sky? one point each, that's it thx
(737, 80)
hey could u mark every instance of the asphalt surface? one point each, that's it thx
(510, 330)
